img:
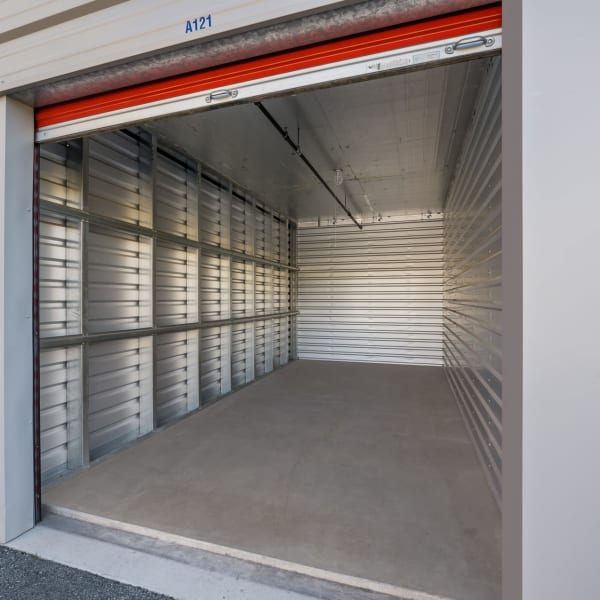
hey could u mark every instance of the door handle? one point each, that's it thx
(470, 42)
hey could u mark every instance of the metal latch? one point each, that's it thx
(470, 42)
(221, 95)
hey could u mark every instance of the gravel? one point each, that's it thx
(24, 577)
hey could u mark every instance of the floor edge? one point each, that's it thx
(267, 561)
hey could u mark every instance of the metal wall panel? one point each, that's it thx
(260, 290)
(176, 196)
(373, 295)
(119, 393)
(149, 292)
(473, 279)
(120, 177)
(60, 414)
(242, 300)
(242, 354)
(281, 327)
(215, 287)
(260, 341)
(242, 224)
(176, 286)
(119, 281)
(215, 212)
(214, 363)
(60, 173)
(177, 377)
(262, 224)
(59, 276)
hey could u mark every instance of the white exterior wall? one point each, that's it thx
(551, 296)
(16, 337)
(32, 47)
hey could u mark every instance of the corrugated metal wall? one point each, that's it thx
(148, 310)
(473, 279)
(371, 295)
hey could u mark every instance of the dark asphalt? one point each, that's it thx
(25, 577)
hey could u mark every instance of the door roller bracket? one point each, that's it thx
(470, 42)
(221, 95)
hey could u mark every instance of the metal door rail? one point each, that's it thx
(56, 210)
(71, 340)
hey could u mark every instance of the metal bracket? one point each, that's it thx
(221, 95)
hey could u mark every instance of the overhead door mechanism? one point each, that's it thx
(470, 34)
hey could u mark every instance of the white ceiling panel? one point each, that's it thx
(396, 140)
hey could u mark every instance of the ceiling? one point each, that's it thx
(395, 139)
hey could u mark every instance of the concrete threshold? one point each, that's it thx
(182, 567)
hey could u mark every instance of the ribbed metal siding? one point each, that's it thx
(119, 393)
(120, 177)
(176, 196)
(60, 174)
(473, 279)
(215, 287)
(242, 285)
(147, 292)
(60, 415)
(177, 377)
(215, 213)
(119, 281)
(242, 225)
(242, 354)
(176, 285)
(281, 303)
(373, 295)
(60, 310)
(215, 367)
(60, 289)
(60, 238)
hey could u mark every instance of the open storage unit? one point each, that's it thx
(348, 224)
(197, 267)
(380, 473)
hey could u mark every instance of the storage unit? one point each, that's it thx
(202, 252)
(194, 265)
(316, 186)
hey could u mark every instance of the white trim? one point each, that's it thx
(284, 565)
(392, 61)
(16, 336)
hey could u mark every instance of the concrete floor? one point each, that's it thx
(359, 469)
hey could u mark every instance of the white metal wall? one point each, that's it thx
(161, 289)
(371, 295)
(145, 26)
(473, 279)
